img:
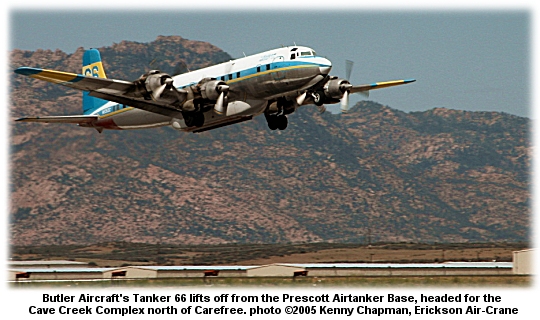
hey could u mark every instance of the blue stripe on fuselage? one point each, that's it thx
(263, 70)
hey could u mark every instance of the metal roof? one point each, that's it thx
(503, 265)
(405, 265)
(60, 270)
(198, 268)
(45, 262)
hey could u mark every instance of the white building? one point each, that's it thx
(523, 262)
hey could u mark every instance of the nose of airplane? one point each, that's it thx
(325, 66)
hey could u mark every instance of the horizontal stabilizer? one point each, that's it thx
(61, 119)
(379, 85)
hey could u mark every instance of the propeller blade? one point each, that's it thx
(181, 67)
(345, 102)
(348, 68)
(159, 91)
(300, 99)
(220, 105)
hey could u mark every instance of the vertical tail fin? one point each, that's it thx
(92, 66)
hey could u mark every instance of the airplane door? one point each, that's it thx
(277, 64)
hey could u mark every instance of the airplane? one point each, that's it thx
(274, 83)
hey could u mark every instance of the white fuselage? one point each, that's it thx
(253, 80)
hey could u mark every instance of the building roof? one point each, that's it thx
(60, 270)
(503, 265)
(197, 268)
(405, 265)
(46, 262)
(526, 250)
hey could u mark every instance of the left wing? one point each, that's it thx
(75, 81)
(119, 91)
(61, 119)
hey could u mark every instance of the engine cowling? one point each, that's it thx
(153, 84)
(335, 88)
(211, 89)
(215, 90)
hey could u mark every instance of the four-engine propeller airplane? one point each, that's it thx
(273, 83)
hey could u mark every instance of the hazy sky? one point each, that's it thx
(462, 59)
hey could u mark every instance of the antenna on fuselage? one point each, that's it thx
(244, 54)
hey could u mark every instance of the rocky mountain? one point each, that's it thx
(374, 174)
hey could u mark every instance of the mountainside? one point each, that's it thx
(374, 174)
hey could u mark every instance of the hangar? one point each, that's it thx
(145, 272)
(276, 270)
(56, 274)
(41, 264)
(406, 269)
(271, 270)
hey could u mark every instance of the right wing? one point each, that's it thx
(364, 88)
(119, 91)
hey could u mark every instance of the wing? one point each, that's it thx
(119, 91)
(379, 85)
(61, 119)
(75, 81)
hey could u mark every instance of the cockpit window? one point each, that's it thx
(313, 53)
(305, 53)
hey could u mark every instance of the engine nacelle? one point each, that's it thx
(153, 84)
(335, 88)
(211, 89)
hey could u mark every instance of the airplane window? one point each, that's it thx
(259, 69)
(230, 77)
(267, 67)
(238, 75)
(306, 53)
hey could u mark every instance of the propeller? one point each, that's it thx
(166, 82)
(341, 87)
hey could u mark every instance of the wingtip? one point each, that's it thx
(27, 71)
